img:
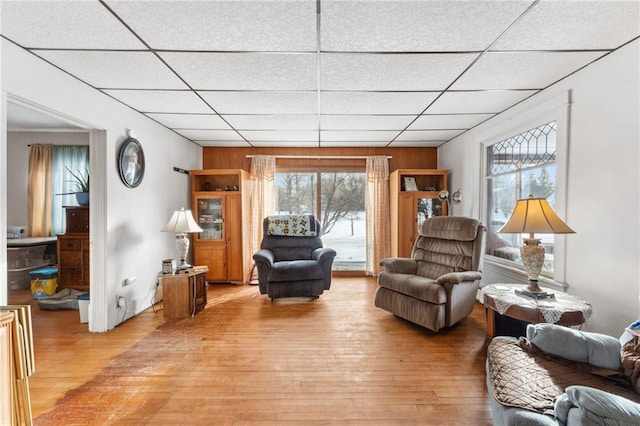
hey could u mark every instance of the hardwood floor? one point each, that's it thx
(247, 360)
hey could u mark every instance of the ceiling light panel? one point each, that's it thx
(374, 102)
(262, 102)
(574, 25)
(414, 25)
(448, 121)
(161, 101)
(411, 72)
(273, 122)
(223, 25)
(365, 122)
(523, 70)
(223, 135)
(115, 70)
(64, 25)
(245, 71)
(428, 135)
(489, 101)
(190, 121)
(357, 135)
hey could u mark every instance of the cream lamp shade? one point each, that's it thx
(182, 223)
(534, 215)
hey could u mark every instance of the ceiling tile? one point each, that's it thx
(281, 135)
(273, 122)
(64, 25)
(574, 25)
(414, 144)
(365, 122)
(205, 134)
(245, 71)
(352, 144)
(374, 102)
(285, 144)
(190, 121)
(522, 70)
(115, 70)
(223, 144)
(404, 26)
(357, 135)
(448, 121)
(488, 101)
(262, 102)
(222, 25)
(161, 101)
(391, 72)
(428, 135)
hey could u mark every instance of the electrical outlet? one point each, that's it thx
(120, 301)
(129, 281)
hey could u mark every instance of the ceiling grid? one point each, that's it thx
(320, 73)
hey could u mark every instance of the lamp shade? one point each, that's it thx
(534, 215)
(181, 222)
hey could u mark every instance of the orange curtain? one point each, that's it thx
(377, 212)
(40, 193)
(263, 195)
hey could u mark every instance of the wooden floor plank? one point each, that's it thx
(249, 360)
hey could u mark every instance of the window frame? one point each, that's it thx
(556, 109)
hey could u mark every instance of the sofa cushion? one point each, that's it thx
(592, 348)
(295, 270)
(415, 286)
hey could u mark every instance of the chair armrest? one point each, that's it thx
(596, 407)
(459, 277)
(400, 265)
(323, 254)
(264, 256)
(575, 345)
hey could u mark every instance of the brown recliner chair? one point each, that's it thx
(437, 287)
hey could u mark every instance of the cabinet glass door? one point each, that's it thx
(210, 218)
(427, 208)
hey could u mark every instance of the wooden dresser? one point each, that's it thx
(73, 250)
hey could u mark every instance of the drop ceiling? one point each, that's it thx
(320, 73)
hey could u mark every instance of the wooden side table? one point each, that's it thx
(184, 294)
(508, 313)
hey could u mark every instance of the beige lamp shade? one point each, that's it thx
(181, 222)
(534, 215)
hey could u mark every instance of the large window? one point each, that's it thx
(517, 167)
(337, 200)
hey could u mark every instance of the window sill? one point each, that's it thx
(516, 274)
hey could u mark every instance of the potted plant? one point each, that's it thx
(80, 184)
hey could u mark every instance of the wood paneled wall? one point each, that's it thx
(236, 158)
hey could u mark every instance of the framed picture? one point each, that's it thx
(131, 162)
(410, 183)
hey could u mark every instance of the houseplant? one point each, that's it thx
(80, 184)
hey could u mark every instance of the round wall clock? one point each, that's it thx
(131, 162)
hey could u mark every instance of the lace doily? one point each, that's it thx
(551, 309)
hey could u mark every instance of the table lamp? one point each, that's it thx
(181, 223)
(534, 215)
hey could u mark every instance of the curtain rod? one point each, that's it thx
(322, 157)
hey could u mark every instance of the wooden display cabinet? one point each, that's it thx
(184, 294)
(409, 208)
(221, 208)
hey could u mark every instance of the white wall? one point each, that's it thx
(603, 183)
(132, 242)
(18, 168)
